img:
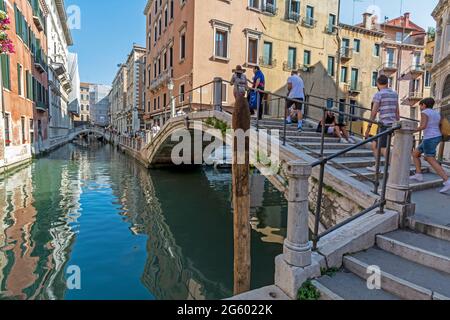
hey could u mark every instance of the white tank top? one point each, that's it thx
(433, 129)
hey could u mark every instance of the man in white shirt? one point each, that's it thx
(296, 88)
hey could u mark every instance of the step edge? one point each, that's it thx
(410, 247)
(328, 293)
(418, 292)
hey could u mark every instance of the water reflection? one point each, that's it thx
(135, 234)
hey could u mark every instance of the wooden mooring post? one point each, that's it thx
(241, 197)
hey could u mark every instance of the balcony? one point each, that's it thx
(267, 62)
(41, 106)
(416, 70)
(289, 66)
(269, 8)
(293, 16)
(353, 88)
(38, 19)
(346, 53)
(388, 67)
(40, 62)
(309, 22)
(161, 80)
(59, 69)
(331, 29)
(415, 96)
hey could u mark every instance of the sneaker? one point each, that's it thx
(446, 187)
(351, 140)
(288, 121)
(342, 140)
(417, 177)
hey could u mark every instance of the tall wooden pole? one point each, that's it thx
(241, 199)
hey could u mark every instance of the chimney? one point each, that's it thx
(367, 21)
(407, 19)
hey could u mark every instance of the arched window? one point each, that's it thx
(446, 89)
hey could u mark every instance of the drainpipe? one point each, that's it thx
(339, 41)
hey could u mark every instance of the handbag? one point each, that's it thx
(253, 103)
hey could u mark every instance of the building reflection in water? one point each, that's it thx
(186, 217)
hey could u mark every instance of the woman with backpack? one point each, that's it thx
(431, 126)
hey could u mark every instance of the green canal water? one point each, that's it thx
(132, 233)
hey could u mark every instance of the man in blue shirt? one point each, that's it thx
(259, 83)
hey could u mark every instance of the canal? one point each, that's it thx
(132, 233)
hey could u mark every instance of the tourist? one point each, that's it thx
(259, 83)
(385, 104)
(432, 137)
(296, 89)
(333, 128)
(239, 81)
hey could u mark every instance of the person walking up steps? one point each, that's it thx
(296, 88)
(430, 124)
(385, 104)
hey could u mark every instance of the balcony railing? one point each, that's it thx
(267, 62)
(346, 53)
(309, 22)
(417, 69)
(415, 96)
(269, 8)
(40, 61)
(353, 87)
(289, 66)
(38, 17)
(331, 29)
(41, 106)
(389, 66)
(293, 16)
(161, 80)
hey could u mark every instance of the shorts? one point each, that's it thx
(298, 105)
(330, 130)
(384, 139)
(428, 146)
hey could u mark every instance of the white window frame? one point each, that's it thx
(183, 84)
(225, 27)
(250, 34)
(182, 33)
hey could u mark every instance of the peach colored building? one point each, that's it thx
(404, 62)
(191, 42)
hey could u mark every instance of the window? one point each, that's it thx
(82, 107)
(159, 27)
(293, 10)
(376, 50)
(159, 103)
(164, 100)
(87, 108)
(255, 4)
(357, 45)
(428, 79)
(267, 54)
(23, 130)
(31, 131)
(307, 58)
(331, 23)
(182, 46)
(82, 117)
(344, 74)
(29, 87)
(149, 106)
(165, 60)
(171, 57)
(374, 78)
(182, 91)
(154, 104)
(7, 129)
(292, 58)
(309, 20)
(172, 9)
(331, 72)
(19, 80)
(156, 33)
(355, 79)
(221, 43)
(252, 54)
(5, 62)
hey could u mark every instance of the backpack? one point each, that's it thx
(445, 129)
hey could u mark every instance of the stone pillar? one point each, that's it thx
(217, 94)
(296, 264)
(398, 192)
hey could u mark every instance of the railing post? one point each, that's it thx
(296, 264)
(398, 192)
(218, 94)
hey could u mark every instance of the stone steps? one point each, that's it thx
(401, 277)
(371, 174)
(424, 225)
(356, 162)
(416, 247)
(345, 285)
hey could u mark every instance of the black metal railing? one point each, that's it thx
(323, 160)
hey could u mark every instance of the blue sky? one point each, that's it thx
(109, 28)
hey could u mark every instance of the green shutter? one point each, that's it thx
(6, 71)
(19, 79)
